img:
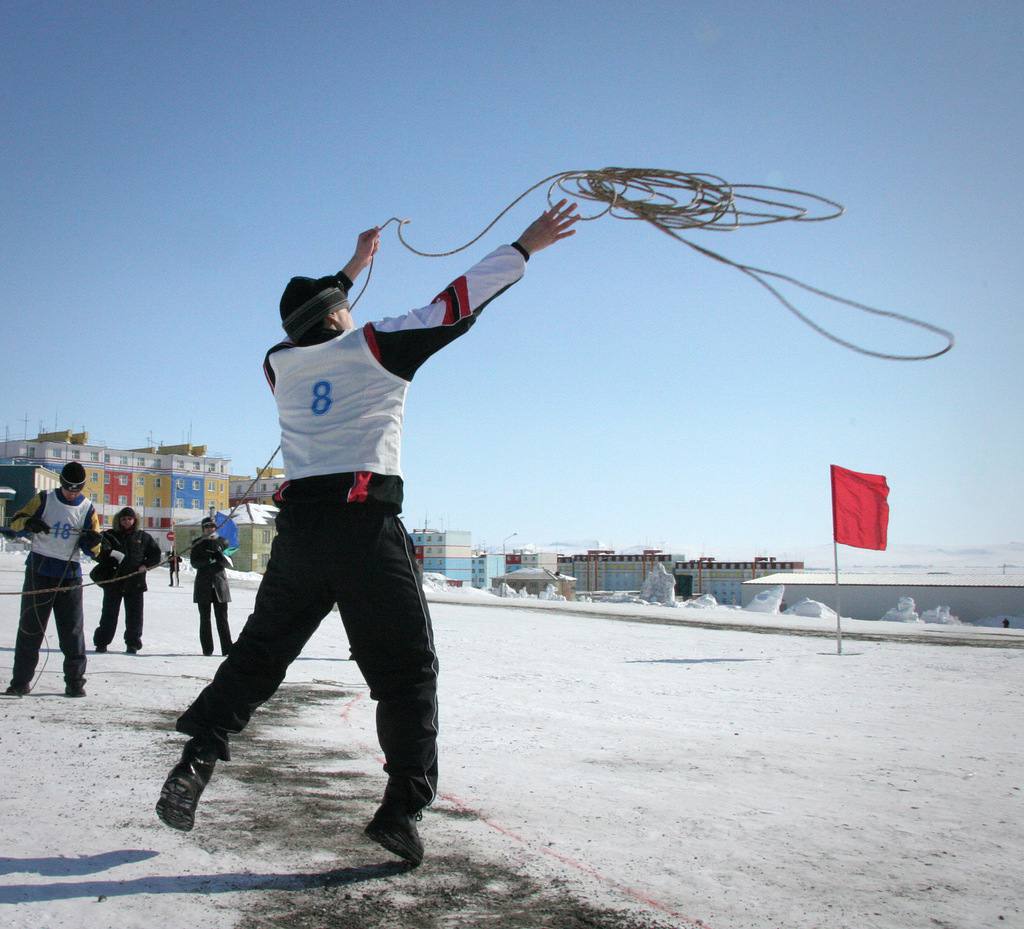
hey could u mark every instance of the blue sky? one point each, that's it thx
(167, 168)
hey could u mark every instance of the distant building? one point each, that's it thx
(536, 580)
(869, 596)
(445, 552)
(602, 569)
(165, 484)
(524, 559)
(25, 481)
(244, 488)
(724, 579)
(486, 566)
(6, 495)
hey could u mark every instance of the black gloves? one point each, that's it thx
(87, 538)
(35, 524)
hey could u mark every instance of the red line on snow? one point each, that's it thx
(624, 889)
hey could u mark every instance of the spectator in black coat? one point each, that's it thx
(125, 552)
(211, 586)
(174, 568)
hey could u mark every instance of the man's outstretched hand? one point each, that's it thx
(366, 247)
(549, 227)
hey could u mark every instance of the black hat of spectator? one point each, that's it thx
(208, 521)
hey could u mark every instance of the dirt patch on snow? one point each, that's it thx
(302, 808)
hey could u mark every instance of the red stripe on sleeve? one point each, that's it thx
(461, 288)
(371, 340)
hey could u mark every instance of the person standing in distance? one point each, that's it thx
(62, 525)
(174, 568)
(210, 587)
(340, 393)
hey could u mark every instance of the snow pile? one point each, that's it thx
(659, 587)
(549, 593)
(767, 601)
(511, 593)
(905, 612)
(623, 596)
(703, 602)
(809, 607)
(942, 615)
(435, 583)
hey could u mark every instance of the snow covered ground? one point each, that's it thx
(597, 771)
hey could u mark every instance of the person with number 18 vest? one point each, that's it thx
(62, 524)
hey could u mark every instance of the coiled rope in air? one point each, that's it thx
(675, 202)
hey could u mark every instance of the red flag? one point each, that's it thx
(860, 511)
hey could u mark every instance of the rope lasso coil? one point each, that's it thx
(675, 202)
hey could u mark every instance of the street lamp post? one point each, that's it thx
(503, 541)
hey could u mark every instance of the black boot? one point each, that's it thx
(396, 830)
(185, 784)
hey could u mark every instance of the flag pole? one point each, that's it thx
(839, 628)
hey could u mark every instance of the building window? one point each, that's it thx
(106, 499)
(139, 502)
(94, 456)
(106, 458)
(195, 504)
(195, 485)
(156, 501)
(195, 465)
(31, 451)
(95, 477)
(210, 486)
(123, 500)
(76, 454)
(179, 503)
(56, 453)
(140, 461)
(140, 481)
(156, 482)
(122, 479)
(266, 535)
(123, 459)
(180, 484)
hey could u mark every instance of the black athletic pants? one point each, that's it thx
(113, 594)
(35, 615)
(220, 612)
(362, 559)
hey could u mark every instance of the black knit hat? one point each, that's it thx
(72, 475)
(122, 513)
(208, 521)
(307, 300)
